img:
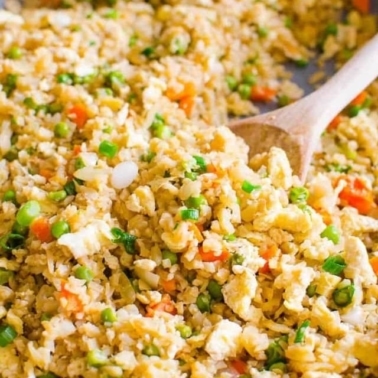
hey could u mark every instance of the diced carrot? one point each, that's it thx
(46, 173)
(69, 301)
(41, 229)
(165, 305)
(360, 99)
(262, 94)
(76, 149)
(189, 90)
(78, 114)
(210, 256)
(362, 5)
(239, 366)
(327, 219)
(169, 285)
(357, 195)
(335, 123)
(187, 104)
(267, 254)
(374, 264)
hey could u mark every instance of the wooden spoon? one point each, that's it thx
(297, 128)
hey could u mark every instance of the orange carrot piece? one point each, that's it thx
(362, 5)
(189, 90)
(267, 254)
(76, 149)
(335, 123)
(374, 264)
(70, 301)
(187, 105)
(165, 305)
(46, 173)
(210, 256)
(262, 94)
(169, 285)
(41, 229)
(239, 366)
(357, 195)
(359, 99)
(78, 114)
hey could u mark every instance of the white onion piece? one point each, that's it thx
(90, 173)
(124, 174)
(354, 317)
(151, 279)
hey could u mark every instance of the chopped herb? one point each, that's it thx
(331, 233)
(300, 334)
(128, 240)
(151, 350)
(5, 276)
(338, 168)
(334, 265)
(215, 290)
(190, 214)
(7, 335)
(298, 194)
(331, 29)
(148, 52)
(133, 40)
(249, 187)
(65, 78)
(10, 84)
(232, 83)
(281, 366)
(114, 80)
(203, 302)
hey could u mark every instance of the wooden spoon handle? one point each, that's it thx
(344, 86)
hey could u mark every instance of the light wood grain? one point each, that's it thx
(297, 127)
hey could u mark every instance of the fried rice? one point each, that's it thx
(137, 239)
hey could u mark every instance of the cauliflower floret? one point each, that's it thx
(254, 342)
(279, 168)
(88, 240)
(224, 341)
(294, 279)
(239, 292)
(328, 320)
(357, 261)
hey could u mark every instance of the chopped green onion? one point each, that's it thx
(45, 317)
(298, 194)
(331, 233)
(301, 63)
(191, 175)
(11, 241)
(133, 40)
(79, 163)
(10, 84)
(215, 290)
(7, 335)
(280, 366)
(244, 91)
(338, 168)
(237, 259)
(148, 157)
(148, 52)
(230, 237)
(70, 188)
(185, 330)
(288, 22)
(111, 13)
(96, 358)
(162, 132)
(283, 100)
(30, 103)
(107, 129)
(276, 352)
(84, 273)
(9, 196)
(57, 196)
(27, 213)
(334, 265)
(262, 31)
(248, 187)
(203, 302)
(311, 290)
(201, 164)
(300, 334)
(65, 78)
(195, 202)
(343, 296)
(108, 149)
(126, 239)
(11, 155)
(178, 46)
(60, 228)
(20, 230)
(189, 214)
(232, 83)
(53, 108)
(331, 29)
(108, 315)
(168, 255)
(61, 130)
(354, 110)
(157, 121)
(14, 53)
(249, 79)
(114, 80)
(5, 276)
(151, 350)
(48, 375)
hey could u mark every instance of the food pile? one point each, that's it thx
(136, 239)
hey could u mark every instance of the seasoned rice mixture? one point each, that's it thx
(137, 240)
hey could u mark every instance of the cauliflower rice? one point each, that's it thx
(137, 240)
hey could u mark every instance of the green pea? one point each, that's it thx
(108, 149)
(185, 330)
(14, 53)
(96, 358)
(151, 350)
(203, 302)
(60, 228)
(215, 290)
(331, 233)
(57, 196)
(27, 213)
(61, 130)
(244, 91)
(108, 315)
(168, 255)
(84, 273)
